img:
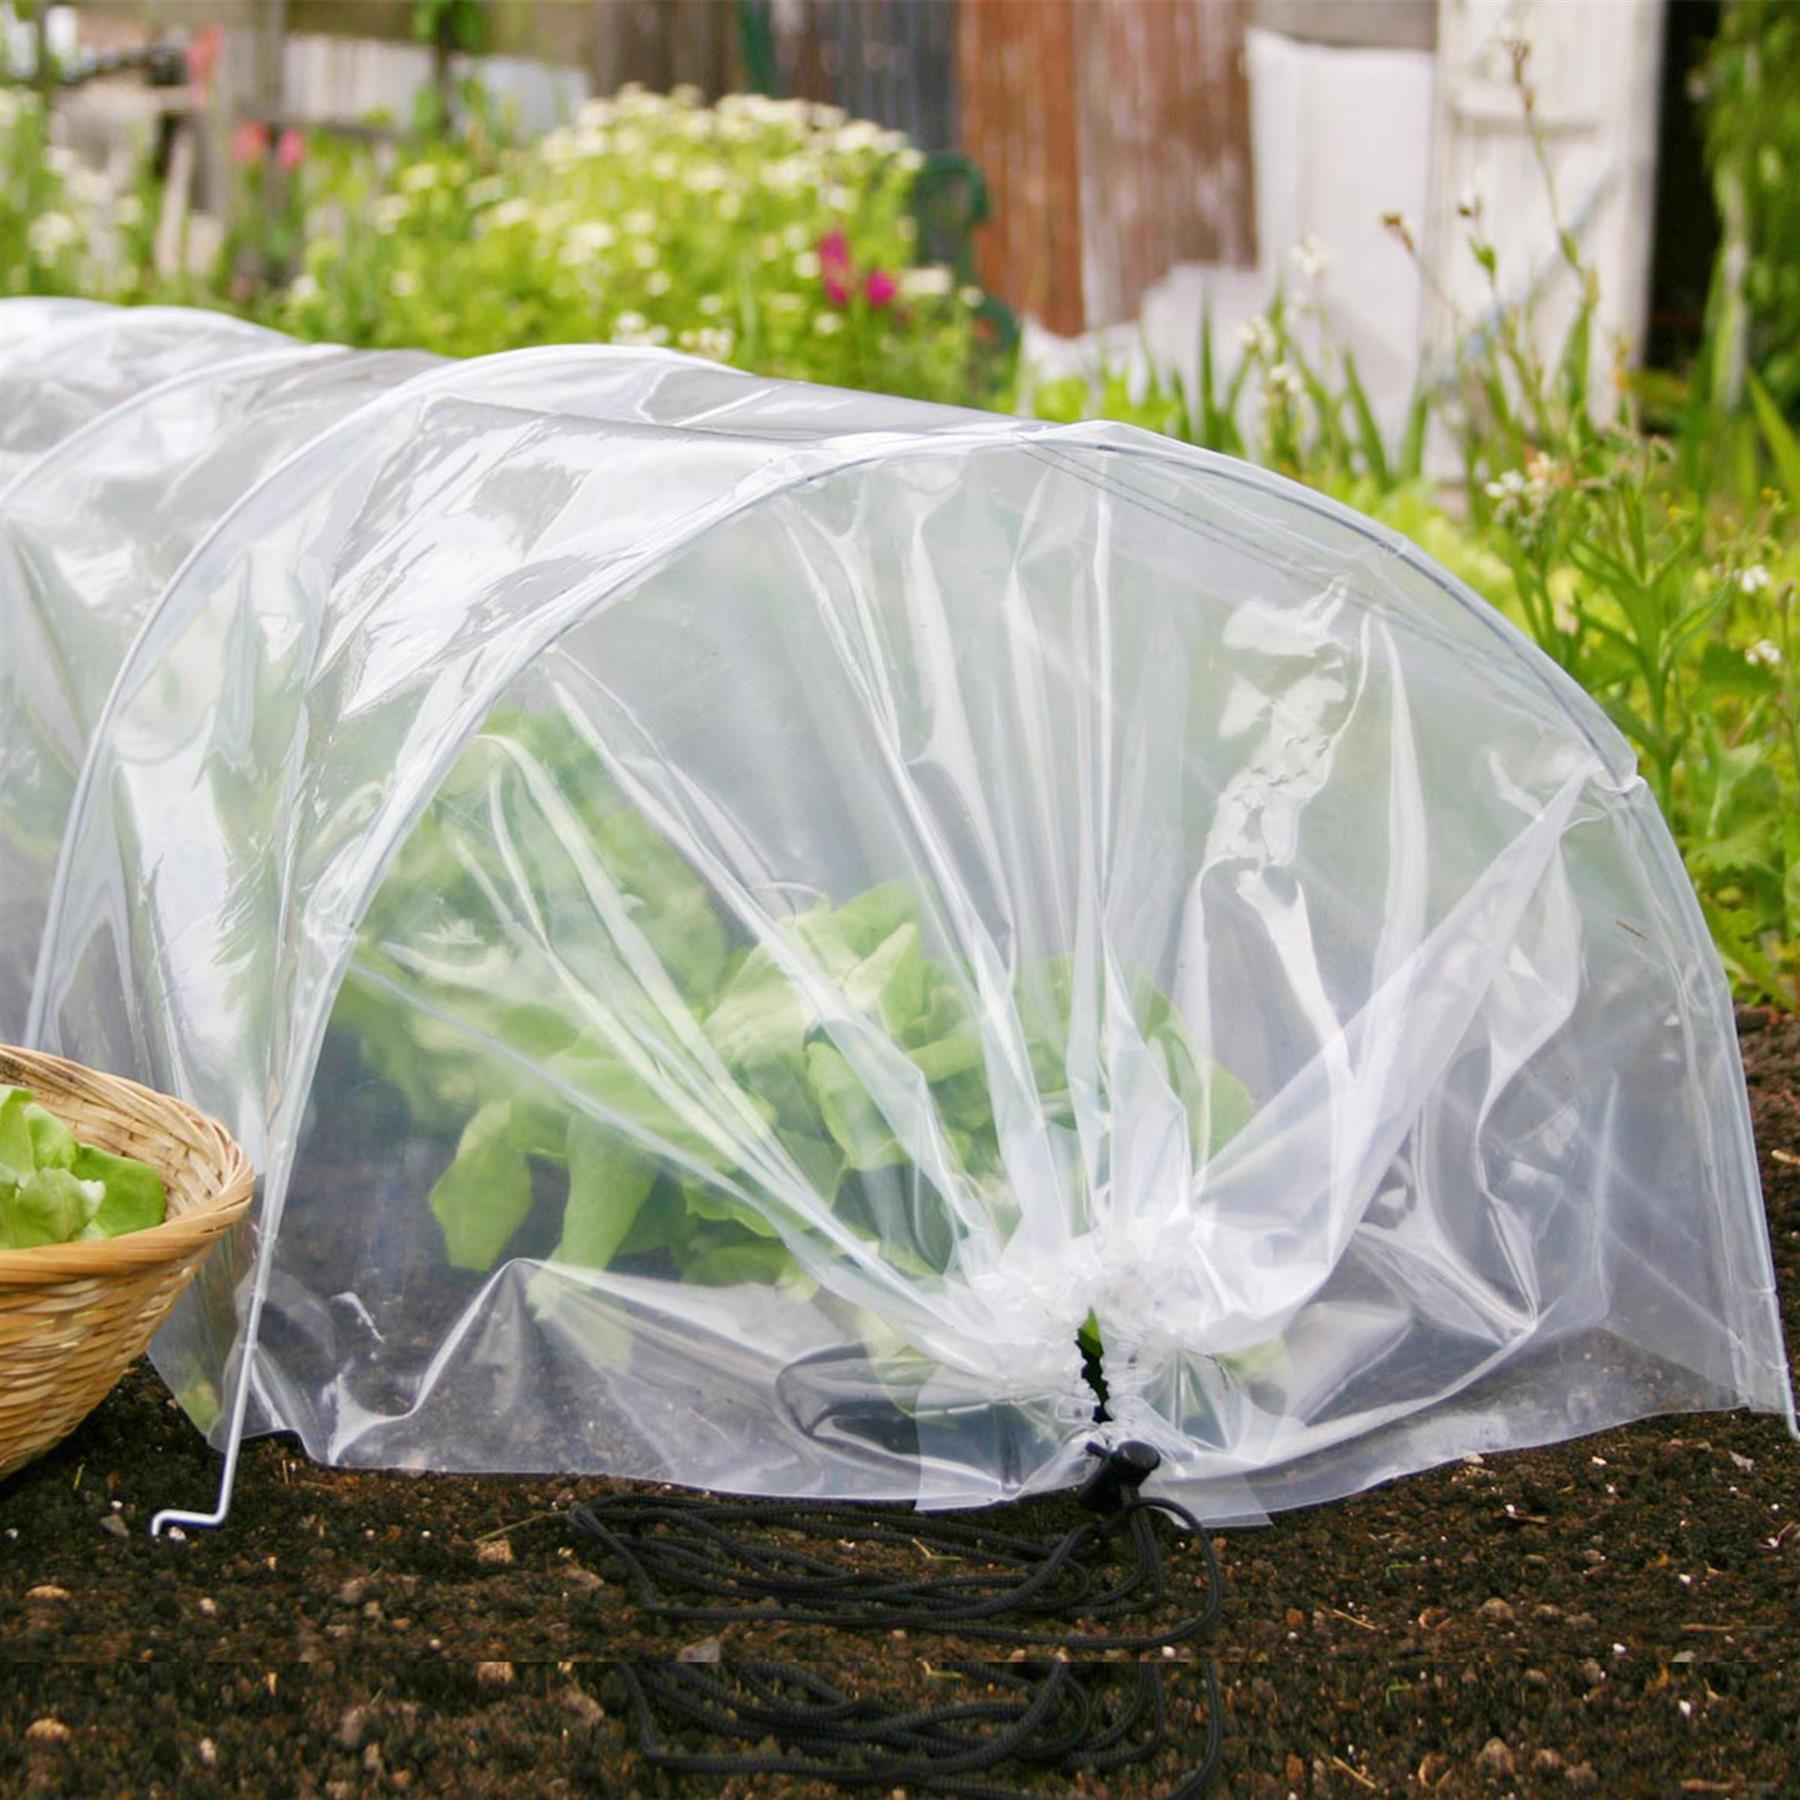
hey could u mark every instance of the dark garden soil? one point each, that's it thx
(1618, 1616)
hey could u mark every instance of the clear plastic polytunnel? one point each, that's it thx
(802, 943)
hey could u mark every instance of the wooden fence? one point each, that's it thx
(893, 61)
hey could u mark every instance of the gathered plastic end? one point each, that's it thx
(1122, 1470)
(1093, 1365)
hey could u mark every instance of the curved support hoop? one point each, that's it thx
(172, 1516)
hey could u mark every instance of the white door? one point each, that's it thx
(1595, 68)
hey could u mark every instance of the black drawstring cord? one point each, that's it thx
(676, 1541)
(1086, 1715)
(1047, 1715)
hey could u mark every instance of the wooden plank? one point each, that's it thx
(1165, 145)
(893, 61)
(1115, 137)
(1016, 91)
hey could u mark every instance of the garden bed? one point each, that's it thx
(1611, 1615)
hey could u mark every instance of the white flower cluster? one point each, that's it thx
(1520, 495)
(715, 342)
(652, 220)
(585, 242)
(1310, 258)
(50, 234)
(812, 135)
(634, 330)
(929, 282)
(82, 212)
(1282, 385)
(1258, 339)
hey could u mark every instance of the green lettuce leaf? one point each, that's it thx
(18, 1154)
(484, 1195)
(55, 1189)
(608, 1185)
(50, 1206)
(53, 1144)
(857, 1125)
(135, 1197)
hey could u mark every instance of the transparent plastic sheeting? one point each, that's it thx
(773, 938)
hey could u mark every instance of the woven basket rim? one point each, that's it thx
(212, 1204)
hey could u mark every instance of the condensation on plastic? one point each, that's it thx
(1329, 1024)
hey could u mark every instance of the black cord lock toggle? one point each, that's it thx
(1123, 1470)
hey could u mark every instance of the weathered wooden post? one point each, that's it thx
(1115, 140)
(43, 69)
(271, 45)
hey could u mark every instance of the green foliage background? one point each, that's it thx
(779, 236)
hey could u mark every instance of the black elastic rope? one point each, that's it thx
(677, 1542)
(1079, 1714)
(1047, 1716)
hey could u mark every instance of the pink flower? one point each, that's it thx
(249, 143)
(203, 54)
(836, 271)
(290, 150)
(881, 287)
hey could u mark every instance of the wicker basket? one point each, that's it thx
(73, 1316)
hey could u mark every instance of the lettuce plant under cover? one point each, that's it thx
(531, 1077)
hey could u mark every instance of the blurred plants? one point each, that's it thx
(1749, 91)
(65, 228)
(1679, 620)
(1663, 587)
(772, 234)
(776, 235)
(448, 28)
(1309, 415)
(265, 227)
